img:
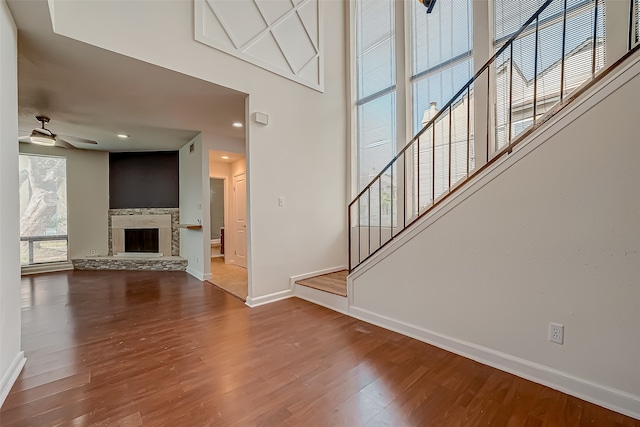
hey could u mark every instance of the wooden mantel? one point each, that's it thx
(191, 226)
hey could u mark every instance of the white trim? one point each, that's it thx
(613, 399)
(10, 377)
(266, 299)
(197, 274)
(352, 109)
(326, 299)
(46, 268)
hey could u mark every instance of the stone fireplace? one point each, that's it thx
(138, 217)
(166, 258)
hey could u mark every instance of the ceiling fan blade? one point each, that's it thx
(60, 142)
(69, 138)
(25, 138)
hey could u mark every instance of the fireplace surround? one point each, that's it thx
(120, 223)
(174, 213)
(168, 232)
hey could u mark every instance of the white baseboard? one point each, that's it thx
(326, 299)
(266, 299)
(197, 274)
(11, 375)
(615, 400)
(46, 268)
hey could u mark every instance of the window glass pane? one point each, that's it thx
(443, 34)
(432, 92)
(375, 46)
(441, 55)
(376, 141)
(376, 111)
(374, 67)
(523, 72)
(43, 209)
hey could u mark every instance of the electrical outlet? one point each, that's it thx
(556, 333)
(92, 252)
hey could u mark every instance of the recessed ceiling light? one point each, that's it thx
(236, 124)
(123, 136)
(225, 157)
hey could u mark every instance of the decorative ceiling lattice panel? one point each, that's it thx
(282, 36)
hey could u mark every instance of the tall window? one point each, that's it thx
(43, 209)
(376, 87)
(555, 54)
(441, 64)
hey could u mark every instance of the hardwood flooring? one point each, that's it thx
(335, 283)
(119, 348)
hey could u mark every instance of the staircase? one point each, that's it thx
(461, 140)
(476, 241)
(328, 290)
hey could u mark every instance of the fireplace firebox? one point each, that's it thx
(141, 240)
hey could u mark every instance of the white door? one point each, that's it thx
(240, 221)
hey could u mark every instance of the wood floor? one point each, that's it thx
(163, 349)
(335, 283)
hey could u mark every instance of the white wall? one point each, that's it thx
(300, 154)
(555, 238)
(193, 208)
(11, 358)
(87, 197)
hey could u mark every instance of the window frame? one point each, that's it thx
(45, 237)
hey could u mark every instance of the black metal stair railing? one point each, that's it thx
(559, 54)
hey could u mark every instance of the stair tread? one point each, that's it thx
(335, 283)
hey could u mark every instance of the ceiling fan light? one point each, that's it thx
(42, 139)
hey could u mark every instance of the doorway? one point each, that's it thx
(227, 219)
(216, 215)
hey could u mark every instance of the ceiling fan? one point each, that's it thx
(43, 136)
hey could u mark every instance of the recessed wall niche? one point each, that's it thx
(144, 180)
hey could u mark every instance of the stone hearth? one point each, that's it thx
(168, 263)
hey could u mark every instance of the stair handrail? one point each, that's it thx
(504, 150)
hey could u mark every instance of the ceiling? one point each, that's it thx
(92, 93)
